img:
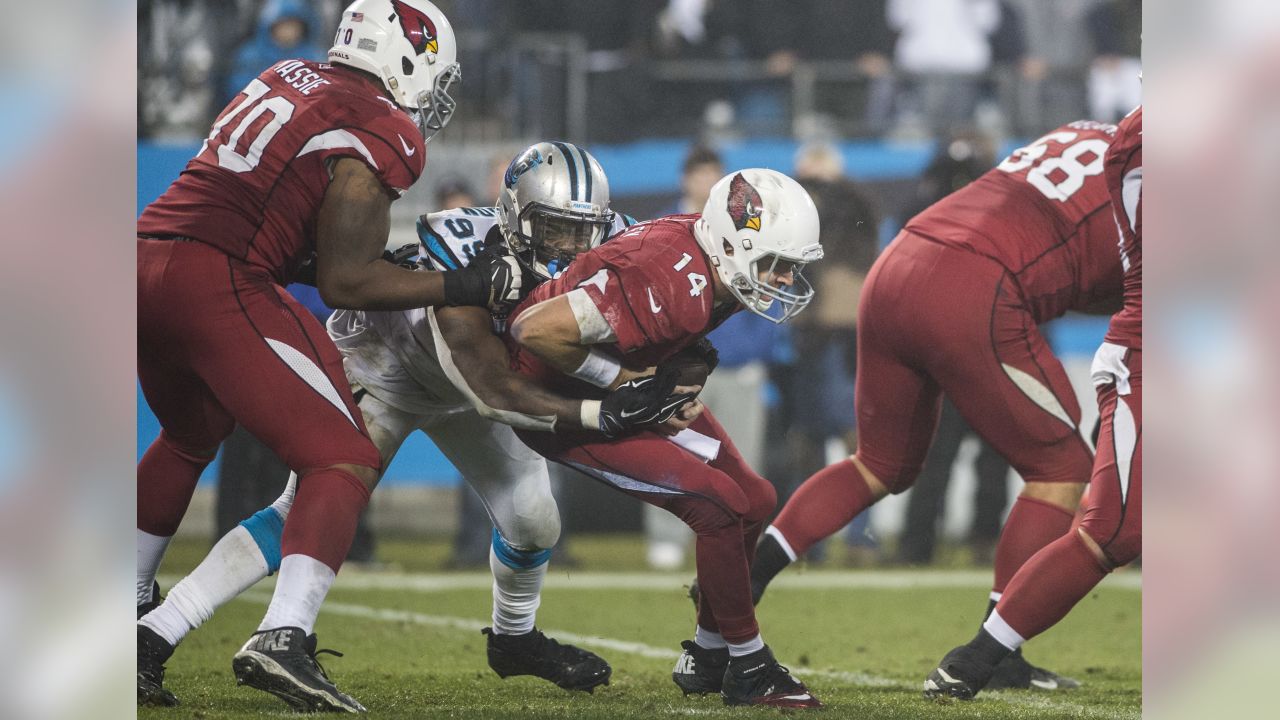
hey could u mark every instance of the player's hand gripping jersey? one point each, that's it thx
(1045, 215)
(382, 348)
(254, 188)
(652, 285)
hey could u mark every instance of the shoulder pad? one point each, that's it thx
(451, 238)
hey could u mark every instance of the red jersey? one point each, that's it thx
(652, 283)
(254, 189)
(1124, 183)
(1044, 214)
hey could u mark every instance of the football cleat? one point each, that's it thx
(533, 653)
(700, 670)
(1015, 673)
(283, 662)
(960, 675)
(153, 603)
(759, 679)
(153, 651)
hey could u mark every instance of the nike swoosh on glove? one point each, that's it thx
(641, 403)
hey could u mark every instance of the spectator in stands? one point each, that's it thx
(959, 161)
(817, 394)
(1058, 46)
(944, 46)
(1115, 87)
(454, 192)
(767, 31)
(285, 29)
(855, 34)
(179, 44)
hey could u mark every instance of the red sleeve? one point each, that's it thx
(648, 308)
(385, 139)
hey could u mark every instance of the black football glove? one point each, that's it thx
(493, 280)
(706, 352)
(640, 403)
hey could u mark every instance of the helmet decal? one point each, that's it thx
(744, 204)
(417, 27)
(523, 163)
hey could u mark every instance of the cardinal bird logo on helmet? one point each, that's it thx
(744, 204)
(418, 28)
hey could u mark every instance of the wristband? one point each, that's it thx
(590, 415)
(598, 369)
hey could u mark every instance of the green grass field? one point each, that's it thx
(863, 640)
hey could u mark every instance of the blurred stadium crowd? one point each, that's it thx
(618, 70)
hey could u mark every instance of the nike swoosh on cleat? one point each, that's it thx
(1045, 684)
(805, 696)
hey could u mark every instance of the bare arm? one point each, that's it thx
(550, 330)
(351, 232)
(479, 358)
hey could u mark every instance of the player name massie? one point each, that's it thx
(299, 77)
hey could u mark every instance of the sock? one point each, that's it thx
(517, 585)
(746, 647)
(233, 565)
(300, 590)
(150, 552)
(998, 629)
(823, 504)
(1032, 524)
(166, 479)
(772, 555)
(708, 640)
(1048, 586)
(322, 520)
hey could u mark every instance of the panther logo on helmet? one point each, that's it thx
(523, 163)
(418, 28)
(745, 205)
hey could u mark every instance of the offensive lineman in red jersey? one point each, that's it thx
(953, 306)
(1046, 588)
(649, 293)
(307, 159)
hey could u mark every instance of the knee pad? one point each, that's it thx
(517, 558)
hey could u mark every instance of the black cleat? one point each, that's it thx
(700, 670)
(153, 603)
(283, 662)
(153, 651)
(1015, 673)
(533, 653)
(758, 679)
(960, 675)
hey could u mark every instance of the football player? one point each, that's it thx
(953, 306)
(631, 306)
(306, 159)
(1048, 585)
(402, 372)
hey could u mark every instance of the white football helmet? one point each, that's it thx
(760, 223)
(554, 204)
(410, 45)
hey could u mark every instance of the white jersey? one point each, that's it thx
(393, 354)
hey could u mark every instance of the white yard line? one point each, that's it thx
(650, 651)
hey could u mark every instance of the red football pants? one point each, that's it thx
(936, 319)
(219, 343)
(725, 503)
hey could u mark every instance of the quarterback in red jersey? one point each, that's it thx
(632, 304)
(306, 160)
(1049, 584)
(952, 306)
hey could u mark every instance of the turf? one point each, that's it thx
(862, 640)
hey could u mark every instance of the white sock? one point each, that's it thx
(1003, 632)
(517, 592)
(150, 552)
(300, 590)
(708, 640)
(233, 565)
(746, 648)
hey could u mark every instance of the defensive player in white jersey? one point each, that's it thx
(402, 367)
